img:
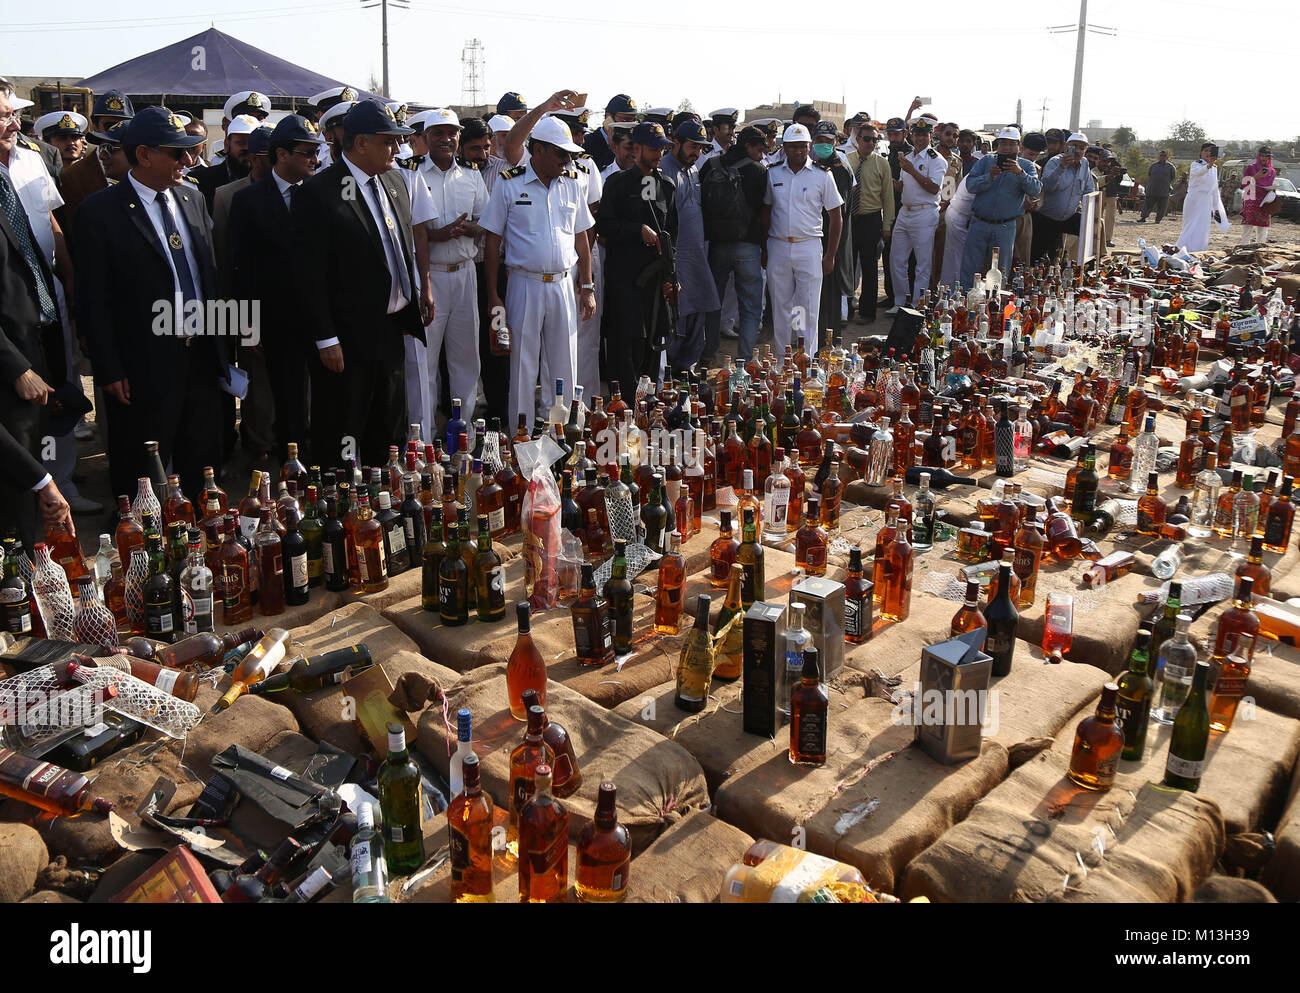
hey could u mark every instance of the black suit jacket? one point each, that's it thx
(21, 347)
(121, 272)
(22, 471)
(211, 178)
(260, 246)
(339, 266)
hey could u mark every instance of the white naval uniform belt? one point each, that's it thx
(920, 206)
(810, 237)
(448, 266)
(541, 277)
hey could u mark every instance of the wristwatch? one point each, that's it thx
(588, 286)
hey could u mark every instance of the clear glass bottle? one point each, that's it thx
(1175, 667)
(366, 858)
(1205, 498)
(797, 638)
(776, 500)
(924, 505)
(1145, 447)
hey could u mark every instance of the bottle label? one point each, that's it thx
(497, 520)
(396, 540)
(778, 504)
(160, 620)
(395, 833)
(811, 737)
(359, 860)
(548, 858)
(327, 559)
(1229, 687)
(581, 641)
(816, 558)
(522, 792)
(458, 842)
(248, 527)
(1185, 768)
(166, 680)
(298, 570)
(1000, 644)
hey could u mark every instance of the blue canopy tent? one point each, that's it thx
(204, 69)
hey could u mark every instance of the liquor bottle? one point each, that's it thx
(729, 654)
(525, 758)
(1084, 500)
(618, 594)
(257, 665)
(334, 550)
(368, 538)
(832, 491)
(294, 553)
(269, 556)
(47, 787)
(923, 515)
(1098, 742)
(798, 484)
(1191, 454)
(1145, 447)
(1279, 520)
(604, 853)
(1225, 507)
(66, 551)
(1191, 735)
(880, 562)
(1133, 705)
(397, 554)
(453, 583)
(1205, 498)
(1175, 667)
(309, 675)
(526, 669)
(543, 845)
(469, 834)
(1245, 511)
(311, 527)
(776, 500)
(1004, 444)
(592, 629)
(654, 516)
(722, 553)
(750, 556)
(671, 587)
(1002, 620)
(15, 594)
(159, 618)
(1254, 568)
(857, 601)
(401, 802)
(93, 623)
(369, 867)
(434, 550)
(747, 499)
(1238, 626)
(809, 712)
(1062, 536)
(897, 602)
(489, 577)
(695, 664)
(1151, 509)
(128, 534)
(566, 776)
(811, 542)
(1120, 466)
(250, 508)
(1023, 439)
(969, 617)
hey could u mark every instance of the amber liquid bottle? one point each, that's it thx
(969, 617)
(372, 565)
(729, 657)
(857, 601)
(1098, 742)
(810, 542)
(1278, 523)
(524, 760)
(1238, 626)
(880, 561)
(593, 634)
(899, 557)
(671, 588)
(1120, 466)
(526, 668)
(604, 853)
(469, 836)
(566, 776)
(809, 713)
(722, 553)
(1191, 454)
(543, 845)
(232, 578)
(47, 787)
(1151, 509)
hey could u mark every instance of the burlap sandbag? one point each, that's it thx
(873, 814)
(1229, 889)
(50, 896)
(1282, 873)
(657, 780)
(352, 625)
(1247, 770)
(651, 663)
(1105, 621)
(688, 862)
(319, 601)
(126, 777)
(895, 646)
(25, 856)
(325, 714)
(1274, 682)
(1024, 841)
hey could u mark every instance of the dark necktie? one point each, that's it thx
(390, 233)
(177, 249)
(17, 218)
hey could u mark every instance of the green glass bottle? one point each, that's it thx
(489, 577)
(467, 552)
(618, 594)
(401, 800)
(750, 556)
(311, 528)
(1186, 761)
(1168, 623)
(654, 517)
(435, 548)
(1084, 502)
(1133, 705)
(453, 584)
(696, 662)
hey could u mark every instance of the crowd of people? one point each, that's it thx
(348, 271)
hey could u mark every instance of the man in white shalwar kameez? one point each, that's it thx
(1203, 204)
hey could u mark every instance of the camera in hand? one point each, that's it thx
(1005, 159)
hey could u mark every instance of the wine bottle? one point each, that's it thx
(1186, 761)
(1002, 619)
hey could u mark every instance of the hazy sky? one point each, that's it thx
(975, 58)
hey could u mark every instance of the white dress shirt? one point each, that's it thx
(538, 222)
(454, 192)
(798, 199)
(37, 193)
(930, 164)
(284, 186)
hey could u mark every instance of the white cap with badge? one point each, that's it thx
(1009, 134)
(796, 132)
(555, 132)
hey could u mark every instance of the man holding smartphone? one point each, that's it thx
(999, 183)
(1066, 180)
(922, 170)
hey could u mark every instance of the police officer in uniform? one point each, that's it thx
(922, 172)
(620, 109)
(331, 129)
(90, 173)
(316, 108)
(538, 210)
(66, 131)
(797, 194)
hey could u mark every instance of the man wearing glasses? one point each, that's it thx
(260, 243)
(354, 268)
(144, 273)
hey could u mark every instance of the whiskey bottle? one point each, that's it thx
(469, 837)
(270, 562)
(1120, 466)
(654, 516)
(397, 553)
(566, 776)
(1191, 736)
(334, 550)
(372, 562)
(722, 553)
(311, 674)
(1245, 510)
(810, 542)
(832, 490)
(1084, 500)
(671, 587)
(592, 631)
(1062, 536)
(435, 547)
(619, 595)
(159, 619)
(604, 853)
(880, 560)
(543, 845)
(899, 557)
(489, 577)
(401, 801)
(525, 758)
(257, 665)
(809, 710)
(695, 665)
(969, 617)
(15, 594)
(1002, 619)
(1151, 509)
(1254, 568)
(1133, 705)
(750, 556)
(1097, 745)
(729, 654)
(1279, 520)
(526, 669)
(453, 583)
(1238, 626)
(47, 787)
(857, 601)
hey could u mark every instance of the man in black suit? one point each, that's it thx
(353, 267)
(29, 328)
(260, 243)
(145, 277)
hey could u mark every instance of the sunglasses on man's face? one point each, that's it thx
(176, 153)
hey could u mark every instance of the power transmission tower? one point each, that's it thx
(383, 6)
(1042, 118)
(1083, 28)
(471, 73)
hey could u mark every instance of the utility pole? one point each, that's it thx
(1020, 121)
(1042, 116)
(383, 6)
(1083, 28)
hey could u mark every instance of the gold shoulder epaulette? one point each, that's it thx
(581, 167)
(512, 173)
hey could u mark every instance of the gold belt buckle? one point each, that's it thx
(548, 277)
(792, 239)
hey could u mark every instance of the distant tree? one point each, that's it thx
(374, 85)
(1123, 137)
(686, 107)
(1136, 163)
(1186, 131)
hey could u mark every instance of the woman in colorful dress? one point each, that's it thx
(1257, 189)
